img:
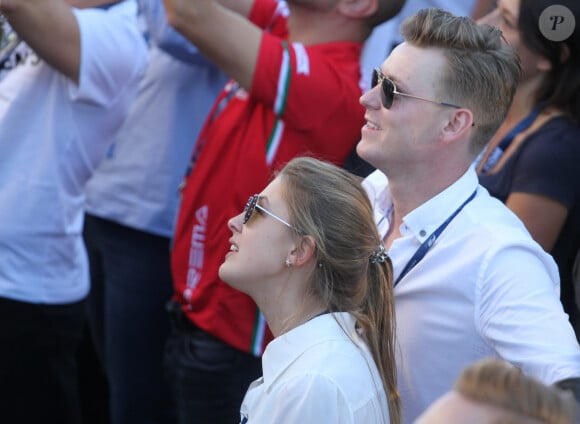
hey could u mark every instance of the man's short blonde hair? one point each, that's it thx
(483, 71)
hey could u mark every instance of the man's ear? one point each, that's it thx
(460, 121)
(303, 251)
(358, 8)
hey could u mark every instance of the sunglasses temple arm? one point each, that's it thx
(274, 216)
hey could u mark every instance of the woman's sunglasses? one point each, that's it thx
(389, 89)
(252, 205)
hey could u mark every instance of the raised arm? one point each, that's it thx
(223, 35)
(165, 36)
(242, 7)
(50, 28)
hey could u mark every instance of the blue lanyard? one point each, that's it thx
(424, 248)
(521, 126)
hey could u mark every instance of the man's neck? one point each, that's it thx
(409, 191)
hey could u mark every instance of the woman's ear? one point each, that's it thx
(543, 65)
(304, 251)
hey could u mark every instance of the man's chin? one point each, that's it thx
(363, 150)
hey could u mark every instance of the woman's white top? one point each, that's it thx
(319, 372)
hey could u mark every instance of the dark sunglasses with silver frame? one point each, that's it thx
(389, 90)
(252, 204)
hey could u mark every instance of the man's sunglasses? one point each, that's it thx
(389, 89)
(252, 205)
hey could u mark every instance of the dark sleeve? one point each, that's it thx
(550, 163)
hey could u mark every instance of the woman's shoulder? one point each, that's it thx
(561, 129)
(557, 140)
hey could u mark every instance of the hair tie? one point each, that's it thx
(380, 256)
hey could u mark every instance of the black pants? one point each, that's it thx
(130, 285)
(208, 378)
(38, 370)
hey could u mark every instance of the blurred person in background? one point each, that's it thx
(66, 85)
(132, 201)
(492, 391)
(531, 163)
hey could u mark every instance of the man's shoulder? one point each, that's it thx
(493, 230)
(491, 217)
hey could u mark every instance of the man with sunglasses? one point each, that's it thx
(68, 73)
(469, 280)
(295, 69)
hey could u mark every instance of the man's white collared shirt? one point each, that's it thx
(485, 288)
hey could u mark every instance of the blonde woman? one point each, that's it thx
(307, 251)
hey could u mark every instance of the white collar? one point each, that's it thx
(426, 218)
(284, 350)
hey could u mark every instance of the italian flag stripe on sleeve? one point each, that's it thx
(274, 141)
(283, 81)
(259, 333)
(279, 105)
